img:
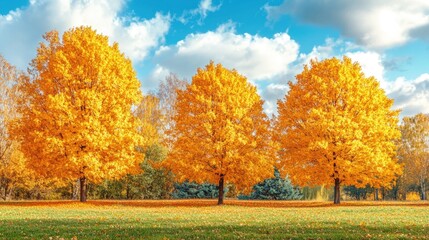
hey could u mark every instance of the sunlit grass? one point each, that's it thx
(202, 219)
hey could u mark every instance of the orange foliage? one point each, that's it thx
(149, 114)
(220, 131)
(76, 114)
(8, 78)
(13, 168)
(335, 124)
(414, 151)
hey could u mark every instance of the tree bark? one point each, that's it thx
(83, 189)
(376, 194)
(337, 191)
(221, 184)
(423, 191)
(76, 187)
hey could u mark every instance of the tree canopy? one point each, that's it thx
(336, 126)
(220, 132)
(75, 119)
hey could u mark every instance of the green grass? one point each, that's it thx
(204, 220)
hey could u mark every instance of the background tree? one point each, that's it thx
(336, 126)
(195, 190)
(13, 172)
(153, 183)
(276, 188)
(358, 193)
(155, 113)
(8, 78)
(220, 133)
(149, 113)
(167, 96)
(414, 151)
(76, 119)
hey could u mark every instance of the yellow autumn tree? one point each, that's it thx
(76, 113)
(8, 78)
(149, 113)
(13, 166)
(221, 134)
(336, 127)
(414, 151)
(14, 173)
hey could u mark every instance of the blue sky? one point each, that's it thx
(267, 41)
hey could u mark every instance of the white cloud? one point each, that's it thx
(375, 24)
(22, 29)
(411, 96)
(158, 74)
(262, 60)
(255, 57)
(207, 6)
(272, 93)
(371, 64)
(204, 7)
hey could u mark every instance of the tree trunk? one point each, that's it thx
(220, 199)
(76, 187)
(423, 191)
(127, 192)
(337, 191)
(376, 194)
(83, 189)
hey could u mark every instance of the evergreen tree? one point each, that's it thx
(194, 190)
(358, 193)
(275, 188)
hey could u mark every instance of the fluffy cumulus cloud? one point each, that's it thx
(271, 94)
(256, 57)
(371, 63)
(22, 29)
(409, 95)
(375, 24)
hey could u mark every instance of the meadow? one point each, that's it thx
(203, 219)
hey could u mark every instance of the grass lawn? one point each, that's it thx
(202, 219)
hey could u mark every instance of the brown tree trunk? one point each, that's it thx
(76, 187)
(423, 191)
(376, 195)
(221, 183)
(337, 191)
(83, 189)
(127, 191)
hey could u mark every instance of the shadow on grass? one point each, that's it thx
(129, 229)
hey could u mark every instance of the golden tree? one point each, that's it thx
(414, 150)
(13, 172)
(149, 114)
(76, 119)
(336, 127)
(220, 133)
(8, 78)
